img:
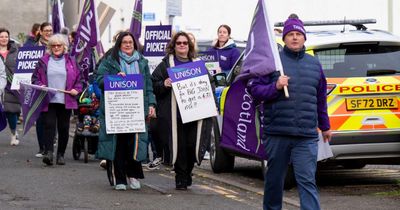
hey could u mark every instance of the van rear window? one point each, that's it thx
(356, 60)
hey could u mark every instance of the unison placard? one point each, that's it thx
(124, 104)
(192, 88)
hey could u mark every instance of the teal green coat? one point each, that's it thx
(107, 142)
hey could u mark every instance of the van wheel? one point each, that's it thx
(290, 180)
(220, 160)
(353, 164)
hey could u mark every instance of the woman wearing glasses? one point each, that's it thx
(180, 50)
(46, 31)
(125, 150)
(42, 39)
(56, 69)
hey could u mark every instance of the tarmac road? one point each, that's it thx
(26, 183)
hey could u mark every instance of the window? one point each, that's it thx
(357, 59)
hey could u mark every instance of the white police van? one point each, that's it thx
(362, 67)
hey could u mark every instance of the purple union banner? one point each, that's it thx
(241, 124)
(33, 100)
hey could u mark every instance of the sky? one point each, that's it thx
(202, 17)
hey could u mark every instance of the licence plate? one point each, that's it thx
(371, 103)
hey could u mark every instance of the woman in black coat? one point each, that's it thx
(181, 138)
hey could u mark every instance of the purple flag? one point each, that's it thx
(241, 125)
(87, 37)
(33, 99)
(261, 56)
(136, 22)
(57, 17)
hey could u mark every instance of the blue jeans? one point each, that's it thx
(40, 133)
(12, 119)
(302, 153)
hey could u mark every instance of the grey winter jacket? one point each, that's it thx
(10, 101)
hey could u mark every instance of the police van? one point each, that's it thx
(362, 67)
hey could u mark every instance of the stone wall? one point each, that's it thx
(18, 16)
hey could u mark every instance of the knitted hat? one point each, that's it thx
(293, 24)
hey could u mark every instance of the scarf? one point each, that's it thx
(129, 64)
(42, 42)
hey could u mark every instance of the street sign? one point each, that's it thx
(174, 7)
(149, 16)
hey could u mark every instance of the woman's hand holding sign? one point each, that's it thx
(121, 74)
(168, 82)
(152, 112)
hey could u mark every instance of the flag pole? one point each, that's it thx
(285, 89)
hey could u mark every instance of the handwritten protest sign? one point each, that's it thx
(193, 92)
(27, 59)
(124, 104)
(211, 60)
(156, 40)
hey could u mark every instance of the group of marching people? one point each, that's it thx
(58, 70)
(159, 102)
(287, 137)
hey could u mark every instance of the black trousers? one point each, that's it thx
(156, 140)
(56, 116)
(186, 156)
(124, 165)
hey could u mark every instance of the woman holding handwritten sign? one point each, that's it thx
(179, 51)
(126, 150)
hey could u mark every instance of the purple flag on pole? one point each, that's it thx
(261, 56)
(33, 99)
(57, 17)
(136, 22)
(241, 125)
(87, 37)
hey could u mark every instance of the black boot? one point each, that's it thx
(180, 183)
(189, 180)
(48, 158)
(60, 159)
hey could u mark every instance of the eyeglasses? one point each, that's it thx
(48, 31)
(56, 45)
(180, 43)
(127, 43)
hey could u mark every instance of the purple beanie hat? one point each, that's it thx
(293, 24)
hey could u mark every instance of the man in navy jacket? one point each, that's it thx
(290, 132)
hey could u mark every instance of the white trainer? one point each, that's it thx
(206, 156)
(14, 141)
(134, 184)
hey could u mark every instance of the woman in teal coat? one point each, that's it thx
(120, 148)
